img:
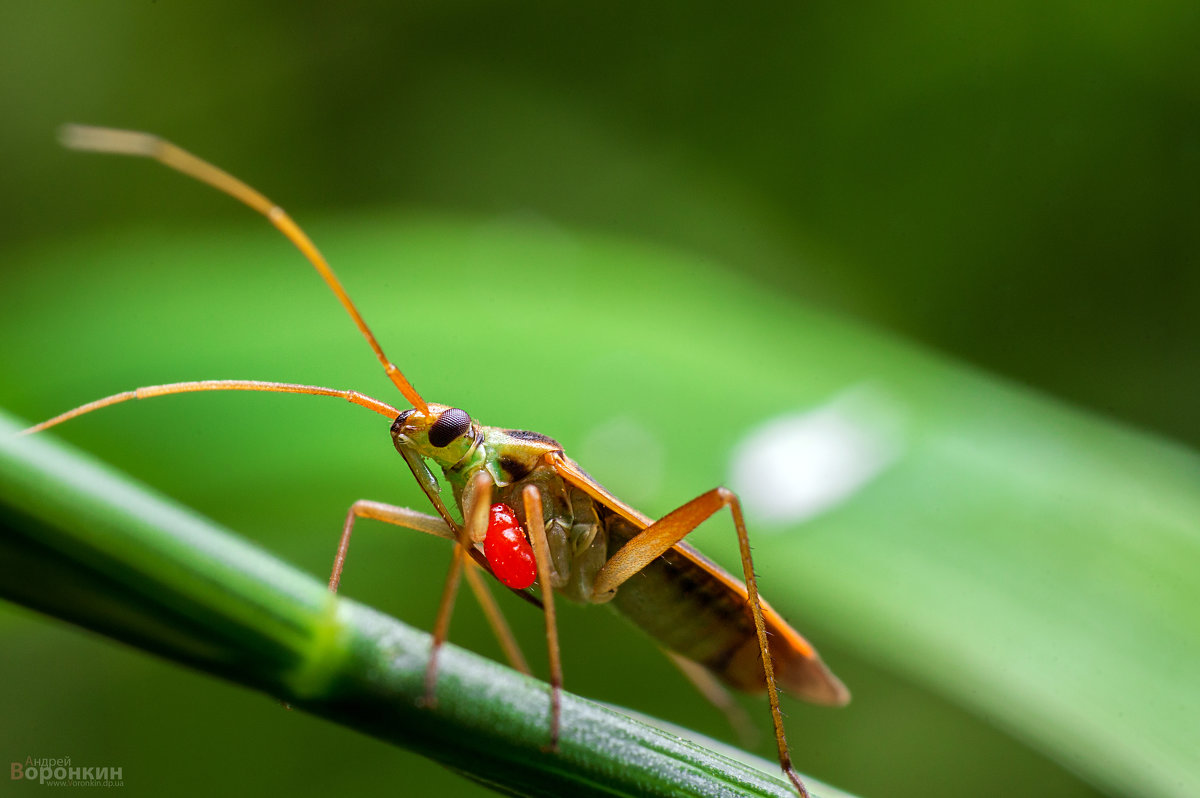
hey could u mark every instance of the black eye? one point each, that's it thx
(400, 419)
(450, 425)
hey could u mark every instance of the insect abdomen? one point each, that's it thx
(694, 608)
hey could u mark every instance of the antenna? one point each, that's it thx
(151, 391)
(146, 145)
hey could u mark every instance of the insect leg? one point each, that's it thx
(541, 551)
(718, 695)
(660, 536)
(496, 620)
(389, 514)
(420, 522)
(475, 518)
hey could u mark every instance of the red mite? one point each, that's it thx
(508, 550)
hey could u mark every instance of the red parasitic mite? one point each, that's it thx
(508, 550)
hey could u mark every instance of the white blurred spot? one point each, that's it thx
(796, 466)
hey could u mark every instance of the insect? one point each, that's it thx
(532, 517)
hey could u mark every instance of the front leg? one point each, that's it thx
(535, 524)
(474, 523)
(390, 514)
(406, 518)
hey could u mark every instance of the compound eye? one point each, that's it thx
(400, 419)
(450, 425)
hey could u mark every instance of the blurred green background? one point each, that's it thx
(1014, 185)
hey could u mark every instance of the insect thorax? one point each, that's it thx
(576, 537)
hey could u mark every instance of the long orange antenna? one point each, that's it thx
(382, 408)
(145, 145)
